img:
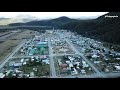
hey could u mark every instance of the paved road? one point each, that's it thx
(83, 76)
(40, 55)
(11, 27)
(2, 38)
(94, 68)
(2, 63)
(52, 67)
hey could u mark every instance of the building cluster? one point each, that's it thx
(73, 65)
(26, 67)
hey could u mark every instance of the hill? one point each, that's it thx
(102, 28)
(51, 22)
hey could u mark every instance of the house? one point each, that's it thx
(7, 72)
(85, 64)
(83, 49)
(22, 60)
(32, 59)
(24, 63)
(67, 62)
(74, 72)
(118, 58)
(70, 65)
(20, 75)
(2, 75)
(117, 67)
(71, 58)
(97, 62)
(32, 75)
(17, 65)
(83, 71)
(43, 57)
(77, 63)
(106, 70)
(11, 63)
(45, 61)
(26, 75)
(42, 43)
(17, 71)
(26, 60)
(94, 56)
(63, 65)
(32, 52)
(59, 61)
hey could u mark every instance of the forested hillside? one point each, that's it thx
(102, 28)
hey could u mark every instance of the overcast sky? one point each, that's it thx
(47, 15)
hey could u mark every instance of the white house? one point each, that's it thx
(17, 64)
(22, 60)
(46, 61)
(83, 71)
(70, 65)
(2, 75)
(32, 74)
(117, 67)
(85, 64)
(67, 62)
(71, 58)
(94, 56)
(24, 63)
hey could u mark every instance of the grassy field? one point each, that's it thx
(23, 34)
(7, 46)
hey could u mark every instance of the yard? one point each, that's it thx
(39, 68)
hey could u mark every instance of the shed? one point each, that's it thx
(42, 43)
(63, 65)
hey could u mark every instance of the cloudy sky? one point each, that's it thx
(47, 15)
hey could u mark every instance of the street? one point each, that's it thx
(52, 67)
(77, 52)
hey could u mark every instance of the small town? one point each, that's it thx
(61, 54)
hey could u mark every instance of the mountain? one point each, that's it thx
(103, 28)
(50, 22)
(17, 19)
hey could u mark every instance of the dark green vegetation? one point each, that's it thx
(105, 29)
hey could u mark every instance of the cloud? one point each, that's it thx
(46, 15)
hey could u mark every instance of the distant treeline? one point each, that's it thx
(106, 29)
(30, 28)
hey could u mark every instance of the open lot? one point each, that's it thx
(7, 46)
(24, 34)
